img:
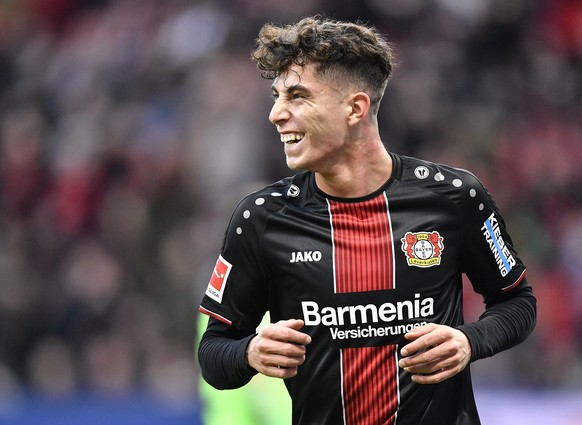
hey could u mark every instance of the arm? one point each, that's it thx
(506, 322)
(222, 356)
(439, 352)
(488, 258)
(229, 358)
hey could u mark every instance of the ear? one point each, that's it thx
(360, 106)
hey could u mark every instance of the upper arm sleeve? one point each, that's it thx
(495, 270)
(488, 257)
(237, 289)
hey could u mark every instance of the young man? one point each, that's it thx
(359, 258)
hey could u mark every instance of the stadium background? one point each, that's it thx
(128, 129)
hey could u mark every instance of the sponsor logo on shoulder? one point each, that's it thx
(421, 172)
(218, 280)
(499, 249)
(293, 191)
(423, 249)
(305, 256)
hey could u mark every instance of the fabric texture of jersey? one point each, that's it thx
(361, 273)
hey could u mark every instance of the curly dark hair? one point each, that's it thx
(350, 52)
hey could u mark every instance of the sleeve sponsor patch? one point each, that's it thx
(492, 232)
(218, 280)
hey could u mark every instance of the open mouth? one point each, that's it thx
(291, 138)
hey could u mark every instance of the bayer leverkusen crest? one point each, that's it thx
(423, 249)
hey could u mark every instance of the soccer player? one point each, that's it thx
(359, 256)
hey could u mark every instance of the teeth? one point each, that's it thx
(291, 137)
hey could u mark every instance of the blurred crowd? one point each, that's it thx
(129, 128)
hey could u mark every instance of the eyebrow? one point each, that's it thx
(290, 89)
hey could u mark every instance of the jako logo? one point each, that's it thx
(305, 256)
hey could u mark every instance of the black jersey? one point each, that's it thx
(361, 273)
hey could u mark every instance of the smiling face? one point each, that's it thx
(311, 116)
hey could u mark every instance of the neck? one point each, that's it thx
(363, 175)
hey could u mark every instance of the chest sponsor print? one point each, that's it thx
(423, 249)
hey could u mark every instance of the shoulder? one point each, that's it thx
(456, 184)
(261, 204)
(287, 191)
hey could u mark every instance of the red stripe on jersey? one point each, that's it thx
(215, 315)
(364, 261)
(513, 285)
(363, 249)
(369, 377)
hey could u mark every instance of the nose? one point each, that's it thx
(279, 112)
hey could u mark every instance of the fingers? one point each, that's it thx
(280, 366)
(436, 353)
(431, 366)
(279, 349)
(271, 350)
(435, 377)
(422, 337)
(288, 330)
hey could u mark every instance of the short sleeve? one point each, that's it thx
(237, 291)
(488, 257)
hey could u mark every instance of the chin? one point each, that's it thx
(294, 165)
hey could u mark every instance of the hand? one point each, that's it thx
(436, 353)
(279, 349)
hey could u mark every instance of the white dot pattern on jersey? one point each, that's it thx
(247, 214)
(439, 177)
